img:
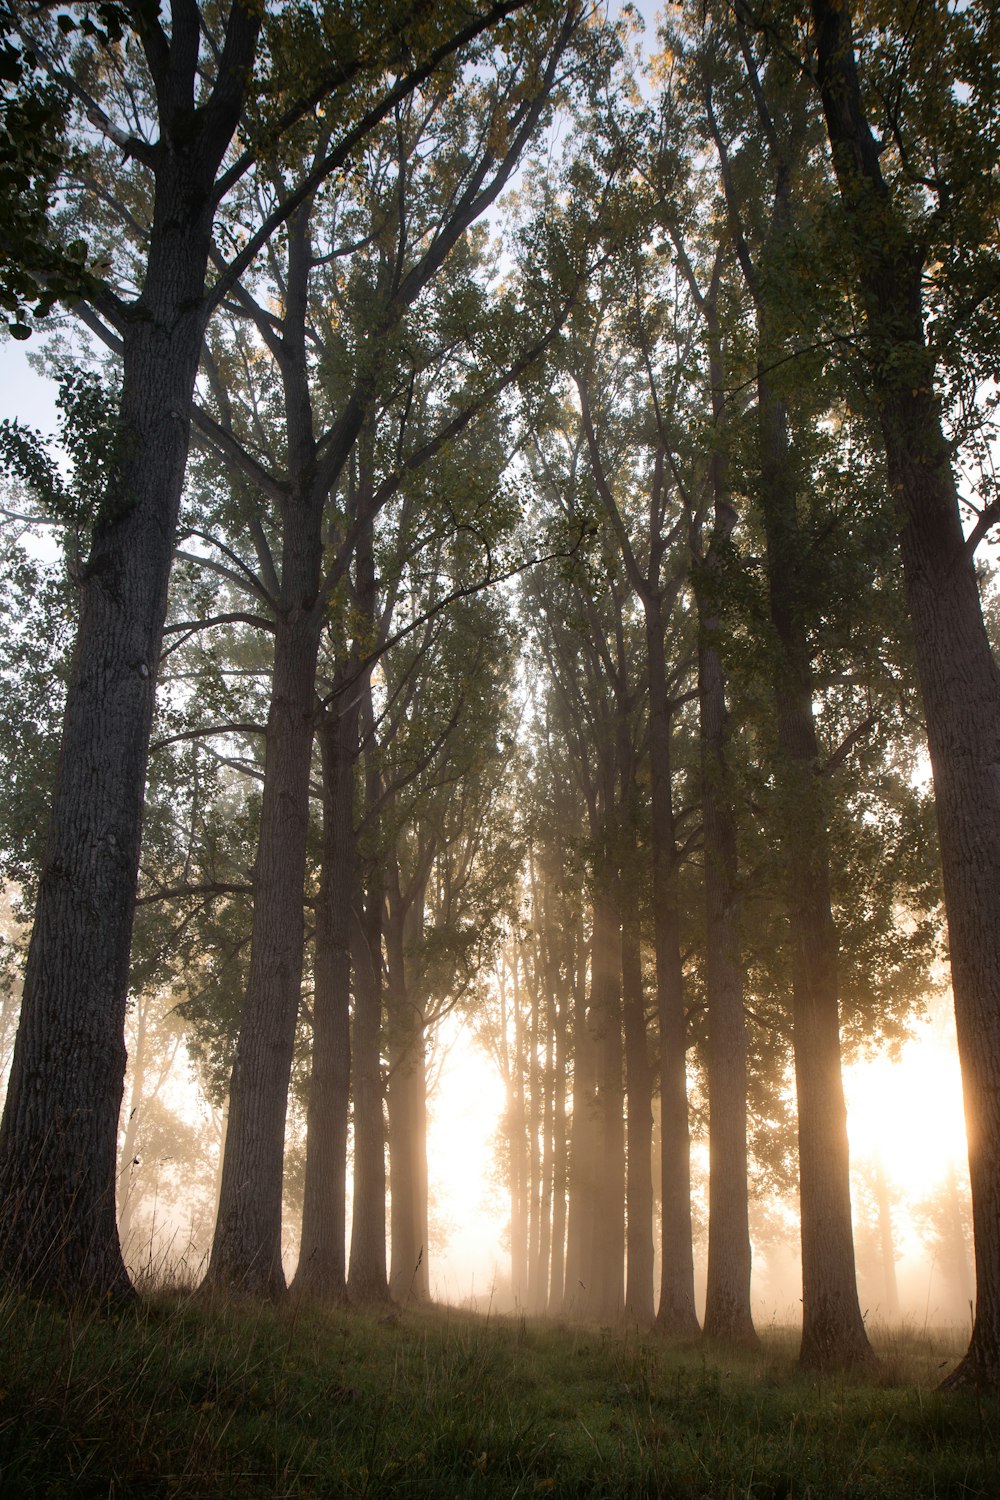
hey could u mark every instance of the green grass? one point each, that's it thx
(184, 1398)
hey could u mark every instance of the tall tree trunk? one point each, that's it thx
(727, 1301)
(547, 1079)
(728, 1318)
(639, 1102)
(583, 1137)
(367, 1278)
(956, 1241)
(322, 1268)
(833, 1332)
(537, 1279)
(246, 1252)
(519, 1215)
(59, 1136)
(606, 1028)
(959, 679)
(560, 1166)
(676, 1313)
(409, 1275)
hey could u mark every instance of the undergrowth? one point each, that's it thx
(182, 1397)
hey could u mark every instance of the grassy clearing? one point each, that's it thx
(185, 1398)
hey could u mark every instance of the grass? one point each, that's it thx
(186, 1398)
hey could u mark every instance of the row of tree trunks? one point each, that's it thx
(833, 1332)
(676, 1316)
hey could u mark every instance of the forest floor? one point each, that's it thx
(186, 1398)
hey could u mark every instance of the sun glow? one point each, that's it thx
(468, 1207)
(907, 1114)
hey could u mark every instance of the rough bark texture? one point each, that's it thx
(58, 1138)
(322, 1268)
(959, 679)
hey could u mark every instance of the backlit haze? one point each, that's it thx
(904, 1115)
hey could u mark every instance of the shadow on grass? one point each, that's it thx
(205, 1399)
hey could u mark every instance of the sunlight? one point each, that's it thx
(468, 1209)
(908, 1114)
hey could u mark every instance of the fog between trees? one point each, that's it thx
(545, 501)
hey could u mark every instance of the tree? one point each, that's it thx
(833, 1330)
(419, 212)
(57, 1139)
(902, 214)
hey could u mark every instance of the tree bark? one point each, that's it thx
(519, 1216)
(560, 1167)
(676, 1314)
(607, 1298)
(833, 1332)
(367, 1278)
(547, 1164)
(58, 1139)
(535, 1299)
(639, 1307)
(246, 1252)
(959, 680)
(582, 1205)
(409, 1273)
(728, 1318)
(322, 1268)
